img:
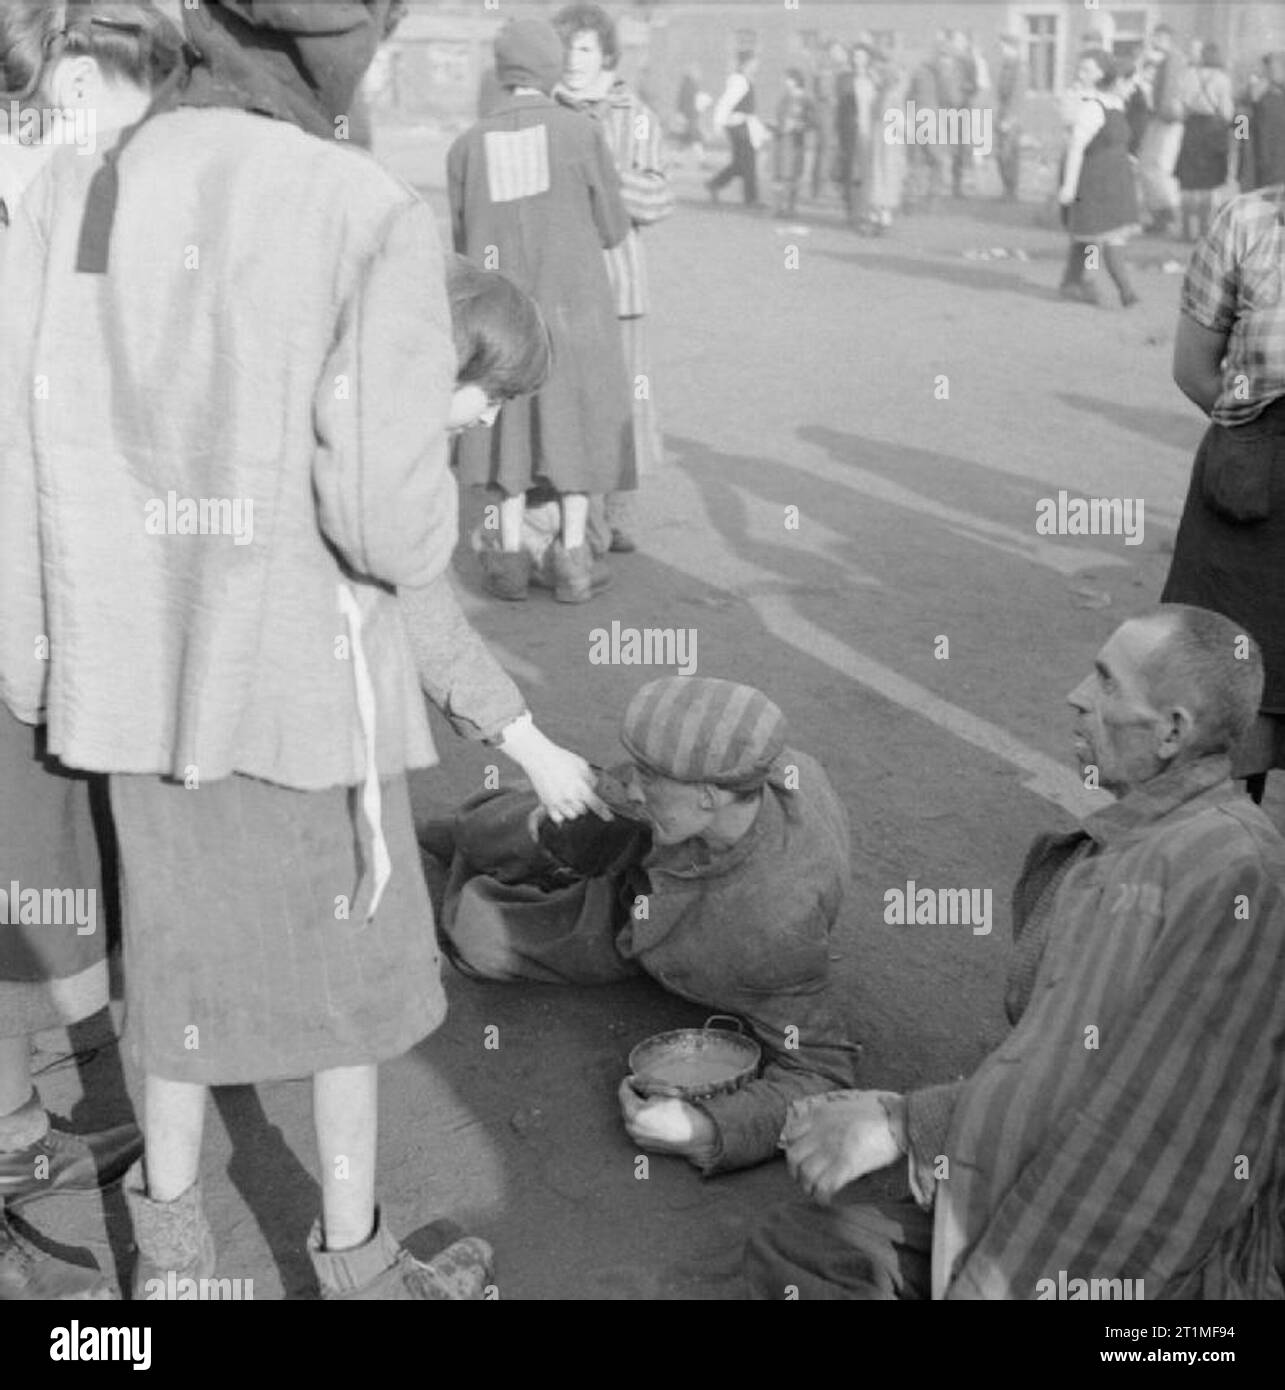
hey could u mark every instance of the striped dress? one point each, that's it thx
(1130, 1126)
(635, 139)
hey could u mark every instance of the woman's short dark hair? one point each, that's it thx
(501, 340)
(1211, 56)
(131, 41)
(579, 19)
(1106, 65)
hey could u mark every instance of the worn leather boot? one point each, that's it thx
(383, 1269)
(577, 578)
(64, 1162)
(27, 1274)
(172, 1238)
(507, 573)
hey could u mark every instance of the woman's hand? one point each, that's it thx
(1066, 197)
(563, 780)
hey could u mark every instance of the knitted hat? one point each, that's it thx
(695, 729)
(528, 53)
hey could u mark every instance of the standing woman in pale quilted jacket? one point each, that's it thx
(591, 84)
(227, 505)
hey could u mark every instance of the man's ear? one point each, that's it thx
(1179, 727)
(74, 82)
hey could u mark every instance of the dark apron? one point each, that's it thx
(1229, 554)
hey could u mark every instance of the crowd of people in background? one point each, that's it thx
(821, 133)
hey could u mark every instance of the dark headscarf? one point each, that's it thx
(288, 59)
(528, 53)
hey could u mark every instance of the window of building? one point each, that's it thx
(1042, 33)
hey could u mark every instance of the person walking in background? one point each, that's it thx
(688, 132)
(590, 84)
(826, 63)
(865, 96)
(956, 89)
(1097, 195)
(1010, 87)
(1134, 88)
(1163, 139)
(923, 161)
(736, 113)
(795, 120)
(1229, 359)
(1208, 108)
(887, 162)
(534, 186)
(845, 126)
(1264, 151)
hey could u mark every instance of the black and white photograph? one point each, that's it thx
(639, 663)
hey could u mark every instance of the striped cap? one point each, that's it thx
(695, 729)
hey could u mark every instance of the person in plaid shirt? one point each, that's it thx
(1229, 358)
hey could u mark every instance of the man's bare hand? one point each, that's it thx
(833, 1139)
(667, 1126)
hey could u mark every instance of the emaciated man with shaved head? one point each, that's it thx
(1125, 1140)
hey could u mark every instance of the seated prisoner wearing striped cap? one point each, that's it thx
(1125, 1139)
(720, 877)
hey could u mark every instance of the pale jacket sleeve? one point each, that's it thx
(457, 670)
(737, 86)
(386, 498)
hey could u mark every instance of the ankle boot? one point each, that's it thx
(577, 578)
(1118, 270)
(383, 1269)
(29, 1275)
(506, 573)
(173, 1238)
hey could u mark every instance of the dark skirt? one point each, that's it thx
(1106, 197)
(1202, 160)
(246, 956)
(1229, 554)
(49, 841)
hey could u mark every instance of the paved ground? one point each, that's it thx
(810, 379)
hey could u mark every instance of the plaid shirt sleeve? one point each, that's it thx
(1210, 288)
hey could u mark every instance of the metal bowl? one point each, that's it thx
(695, 1063)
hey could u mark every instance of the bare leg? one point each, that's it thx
(345, 1105)
(575, 517)
(512, 510)
(173, 1122)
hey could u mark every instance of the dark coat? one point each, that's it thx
(1266, 144)
(535, 194)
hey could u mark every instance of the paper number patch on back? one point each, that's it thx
(517, 163)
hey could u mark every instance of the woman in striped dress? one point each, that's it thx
(590, 84)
